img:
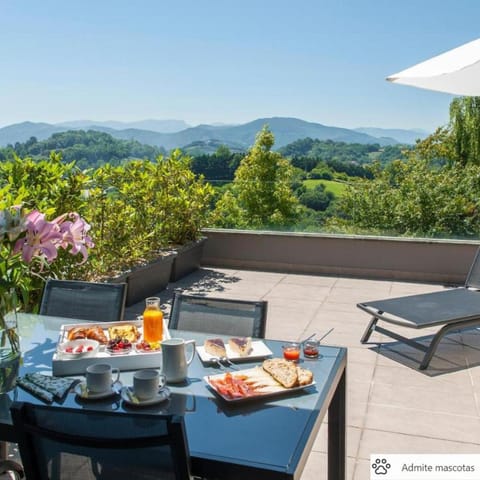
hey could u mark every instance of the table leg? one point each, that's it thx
(336, 432)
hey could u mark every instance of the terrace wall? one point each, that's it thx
(407, 259)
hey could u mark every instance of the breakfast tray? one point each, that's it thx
(133, 360)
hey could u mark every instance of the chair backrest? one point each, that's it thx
(57, 443)
(473, 277)
(218, 315)
(103, 302)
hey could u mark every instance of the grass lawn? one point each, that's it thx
(336, 188)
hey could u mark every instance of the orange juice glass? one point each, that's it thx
(291, 351)
(152, 321)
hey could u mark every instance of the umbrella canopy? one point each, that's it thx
(456, 71)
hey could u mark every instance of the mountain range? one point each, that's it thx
(286, 130)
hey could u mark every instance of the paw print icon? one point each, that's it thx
(380, 466)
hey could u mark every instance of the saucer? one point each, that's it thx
(83, 393)
(130, 399)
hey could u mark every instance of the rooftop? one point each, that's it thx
(393, 407)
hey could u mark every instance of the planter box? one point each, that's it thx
(187, 259)
(147, 280)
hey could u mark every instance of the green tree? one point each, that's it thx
(413, 198)
(261, 194)
(317, 198)
(465, 129)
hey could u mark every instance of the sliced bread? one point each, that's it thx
(305, 377)
(283, 371)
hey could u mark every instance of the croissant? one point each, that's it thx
(96, 333)
(76, 333)
(92, 333)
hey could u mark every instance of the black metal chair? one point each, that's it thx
(451, 309)
(59, 443)
(218, 315)
(103, 302)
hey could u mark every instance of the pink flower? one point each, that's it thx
(41, 238)
(74, 234)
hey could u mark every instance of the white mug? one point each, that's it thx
(174, 359)
(146, 383)
(99, 377)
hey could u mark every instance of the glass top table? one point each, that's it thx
(268, 438)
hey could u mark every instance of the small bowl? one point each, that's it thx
(78, 348)
(115, 350)
(311, 349)
(291, 351)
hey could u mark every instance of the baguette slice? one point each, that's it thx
(305, 377)
(283, 371)
(215, 347)
(240, 345)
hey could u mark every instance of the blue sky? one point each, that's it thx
(226, 61)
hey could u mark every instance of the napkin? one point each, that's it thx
(48, 388)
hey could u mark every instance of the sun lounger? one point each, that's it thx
(450, 309)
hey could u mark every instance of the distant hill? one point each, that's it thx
(21, 132)
(210, 146)
(87, 149)
(162, 126)
(400, 135)
(286, 130)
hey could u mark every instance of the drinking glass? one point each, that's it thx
(291, 351)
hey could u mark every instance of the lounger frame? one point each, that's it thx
(451, 309)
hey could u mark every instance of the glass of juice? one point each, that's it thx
(291, 351)
(152, 321)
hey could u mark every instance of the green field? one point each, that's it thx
(337, 188)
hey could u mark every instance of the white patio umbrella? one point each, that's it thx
(456, 71)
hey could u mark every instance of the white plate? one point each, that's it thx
(272, 389)
(83, 393)
(129, 398)
(84, 344)
(259, 350)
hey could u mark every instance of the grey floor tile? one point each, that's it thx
(378, 441)
(409, 421)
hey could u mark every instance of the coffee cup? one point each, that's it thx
(146, 383)
(100, 377)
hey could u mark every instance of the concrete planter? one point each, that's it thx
(147, 280)
(187, 259)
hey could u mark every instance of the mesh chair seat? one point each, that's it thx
(84, 300)
(218, 315)
(451, 309)
(62, 443)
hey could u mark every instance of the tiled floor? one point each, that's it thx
(393, 407)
